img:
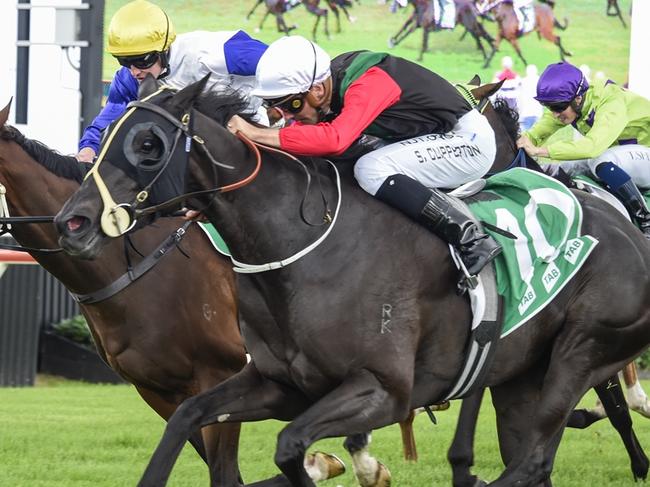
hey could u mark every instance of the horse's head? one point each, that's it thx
(143, 162)
(503, 120)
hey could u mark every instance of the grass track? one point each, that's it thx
(596, 40)
(70, 434)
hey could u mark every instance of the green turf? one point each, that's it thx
(596, 40)
(67, 434)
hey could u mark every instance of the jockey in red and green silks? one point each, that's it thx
(615, 124)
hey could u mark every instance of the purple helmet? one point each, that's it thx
(560, 82)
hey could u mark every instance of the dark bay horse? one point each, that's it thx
(328, 360)
(171, 350)
(508, 28)
(277, 8)
(423, 16)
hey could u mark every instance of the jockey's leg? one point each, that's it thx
(623, 168)
(405, 175)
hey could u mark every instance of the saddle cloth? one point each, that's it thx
(548, 249)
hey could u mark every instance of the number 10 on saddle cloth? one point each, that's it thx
(548, 249)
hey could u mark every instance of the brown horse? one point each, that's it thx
(508, 28)
(169, 351)
(328, 361)
(277, 8)
(423, 16)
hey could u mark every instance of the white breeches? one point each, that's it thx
(436, 160)
(634, 159)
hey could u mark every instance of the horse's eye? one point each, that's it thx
(148, 146)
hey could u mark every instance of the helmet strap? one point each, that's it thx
(324, 100)
(577, 107)
(164, 62)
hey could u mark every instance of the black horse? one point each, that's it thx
(361, 333)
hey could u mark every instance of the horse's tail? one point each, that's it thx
(558, 25)
(508, 116)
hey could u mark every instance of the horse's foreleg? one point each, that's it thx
(246, 396)
(337, 14)
(461, 451)
(257, 4)
(613, 400)
(563, 52)
(259, 28)
(425, 43)
(360, 403)
(515, 44)
(636, 396)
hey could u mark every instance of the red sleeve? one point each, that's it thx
(365, 99)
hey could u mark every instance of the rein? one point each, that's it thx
(118, 219)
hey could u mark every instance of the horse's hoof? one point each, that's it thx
(643, 408)
(440, 407)
(323, 466)
(256, 30)
(391, 43)
(381, 478)
(352, 19)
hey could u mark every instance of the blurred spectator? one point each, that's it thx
(511, 83)
(529, 109)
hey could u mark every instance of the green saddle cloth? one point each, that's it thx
(546, 219)
(215, 238)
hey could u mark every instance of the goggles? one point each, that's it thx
(292, 103)
(143, 61)
(558, 106)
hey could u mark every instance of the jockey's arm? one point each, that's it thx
(365, 99)
(123, 90)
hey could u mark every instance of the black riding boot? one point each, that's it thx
(476, 248)
(435, 211)
(633, 200)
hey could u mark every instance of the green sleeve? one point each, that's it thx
(610, 120)
(543, 129)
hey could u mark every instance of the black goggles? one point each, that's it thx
(292, 103)
(558, 106)
(144, 61)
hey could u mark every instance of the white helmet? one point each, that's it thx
(290, 65)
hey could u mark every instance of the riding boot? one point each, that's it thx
(476, 248)
(435, 211)
(633, 200)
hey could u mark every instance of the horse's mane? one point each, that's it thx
(64, 166)
(221, 106)
(509, 117)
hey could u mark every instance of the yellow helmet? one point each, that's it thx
(140, 27)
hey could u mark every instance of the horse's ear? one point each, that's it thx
(475, 81)
(148, 87)
(4, 114)
(487, 90)
(185, 98)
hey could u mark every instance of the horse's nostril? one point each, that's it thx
(75, 223)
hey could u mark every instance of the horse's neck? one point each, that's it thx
(32, 190)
